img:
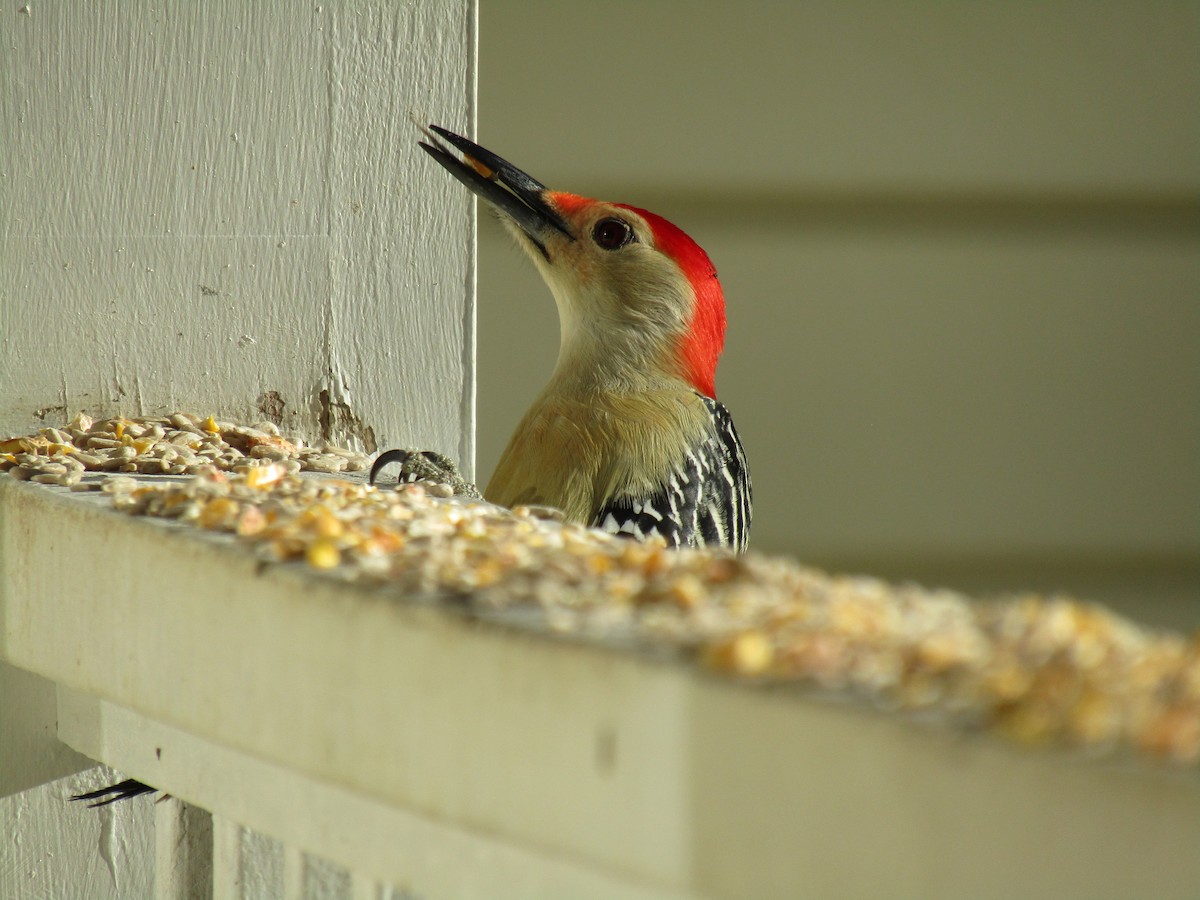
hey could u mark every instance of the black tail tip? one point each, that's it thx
(130, 787)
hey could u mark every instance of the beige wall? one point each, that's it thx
(960, 251)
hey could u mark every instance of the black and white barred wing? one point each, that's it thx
(704, 501)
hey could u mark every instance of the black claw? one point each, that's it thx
(130, 787)
(386, 458)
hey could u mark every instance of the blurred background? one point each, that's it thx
(960, 246)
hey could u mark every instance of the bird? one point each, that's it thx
(628, 435)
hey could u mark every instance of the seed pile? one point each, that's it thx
(1044, 671)
(162, 445)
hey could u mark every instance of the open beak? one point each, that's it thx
(500, 183)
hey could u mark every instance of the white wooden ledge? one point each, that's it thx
(422, 748)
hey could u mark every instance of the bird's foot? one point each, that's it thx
(425, 465)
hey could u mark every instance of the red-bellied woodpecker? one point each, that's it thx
(628, 435)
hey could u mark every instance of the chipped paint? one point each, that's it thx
(270, 404)
(338, 423)
(109, 845)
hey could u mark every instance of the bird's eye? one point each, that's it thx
(612, 234)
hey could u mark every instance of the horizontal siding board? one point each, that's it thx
(1063, 96)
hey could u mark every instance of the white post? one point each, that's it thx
(220, 208)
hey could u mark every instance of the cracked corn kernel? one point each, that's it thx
(1095, 718)
(323, 553)
(220, 513)
(322, 522)
(261, 476)
(250, 521)
(687, 591)
(748, 653)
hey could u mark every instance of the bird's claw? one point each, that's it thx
(425, 465)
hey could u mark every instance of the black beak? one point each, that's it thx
(500, 183)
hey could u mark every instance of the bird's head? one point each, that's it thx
(634, 292)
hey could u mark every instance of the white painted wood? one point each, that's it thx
(261, 865)
(216, 207)
(309, 877)
(227, 868)
(461, 758)
(365, 888)
(293, 873)
(183, 863)
(53, 849)
(386, 849)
